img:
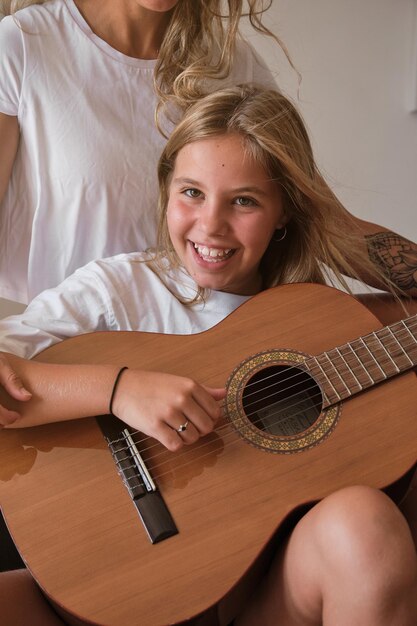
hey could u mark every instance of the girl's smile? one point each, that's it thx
(222, 212)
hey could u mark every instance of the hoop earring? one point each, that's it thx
(283, 235)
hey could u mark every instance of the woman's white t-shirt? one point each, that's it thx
(84, 181)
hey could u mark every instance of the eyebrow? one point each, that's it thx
(186, 181)
(196, 183)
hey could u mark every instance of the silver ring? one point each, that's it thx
(183, 427)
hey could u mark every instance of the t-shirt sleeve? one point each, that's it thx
(255, 68)
(12, 65)
(79, 305)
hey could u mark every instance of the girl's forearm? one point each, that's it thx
(60, 392)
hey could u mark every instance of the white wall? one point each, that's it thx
(355, 60)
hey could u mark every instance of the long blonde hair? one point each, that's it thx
(199, 43)
(321, 234)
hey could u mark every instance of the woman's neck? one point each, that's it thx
(126, 26)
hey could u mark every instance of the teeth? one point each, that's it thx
(212, 253)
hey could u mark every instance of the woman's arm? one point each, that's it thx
(387, 308)
(396, 256)
(9, 141)
(155, 403)
(393, 254)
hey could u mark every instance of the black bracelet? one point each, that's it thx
(113, 393)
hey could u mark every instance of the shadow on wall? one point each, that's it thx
(7, 307)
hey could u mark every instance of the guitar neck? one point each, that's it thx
(366, 361)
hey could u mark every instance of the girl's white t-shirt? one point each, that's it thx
(84, 182)
(120, 293)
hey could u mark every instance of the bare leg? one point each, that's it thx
(350, 560)
(408, 507)
(21, 602)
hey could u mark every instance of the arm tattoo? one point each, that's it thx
(396, 257)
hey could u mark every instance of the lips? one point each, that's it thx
(211, 254)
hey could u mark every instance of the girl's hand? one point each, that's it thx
(14, 387)
(158, 404)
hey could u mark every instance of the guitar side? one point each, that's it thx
(85, 541)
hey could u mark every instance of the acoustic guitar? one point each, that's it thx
(117, 531)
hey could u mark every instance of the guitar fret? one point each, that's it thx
(411, 325)
(407, 342)
(338, 383)
(330, 395)
(379, 356)
(324, 365)
(413, 339)
(347, 377)
(350, 374)
(394, 348)
(368, 361)
(352, 367)
(389, 353)
(360, 372)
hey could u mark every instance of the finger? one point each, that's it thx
(198, 420)
(188, 432)
(12, 383)
(218, 393)
(208, 399)
(169, 437)
(7, 417)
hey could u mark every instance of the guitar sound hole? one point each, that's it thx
(282, 400)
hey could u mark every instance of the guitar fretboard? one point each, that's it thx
(366, 361)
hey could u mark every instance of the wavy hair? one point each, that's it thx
(199, 44)
(321, 234)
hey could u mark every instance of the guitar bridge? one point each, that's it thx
(131, 467)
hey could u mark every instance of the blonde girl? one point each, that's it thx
(243, 207)
(321, 239)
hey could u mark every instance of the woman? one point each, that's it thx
(79, 141)
(243, 208)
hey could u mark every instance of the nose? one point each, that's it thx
(213, 218)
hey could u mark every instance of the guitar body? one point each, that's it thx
(76, 527)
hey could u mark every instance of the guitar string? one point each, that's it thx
(222, 444)
(217, 430)
(156, 444)
(228, 439)
(191, 452)
(300, 373)
(277, 405)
